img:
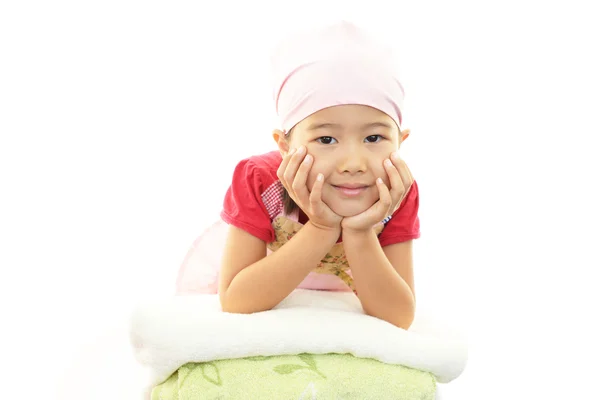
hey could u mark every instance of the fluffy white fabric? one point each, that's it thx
(167, 333)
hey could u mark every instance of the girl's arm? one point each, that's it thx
(251, 282)
(383, 277)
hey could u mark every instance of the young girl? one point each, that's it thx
(335, 207)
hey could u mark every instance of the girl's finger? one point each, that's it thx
(405, 174)
(385, 198)
(397, 185)
(316, 193)
(292, 168)
(284, 163)
(299, 184)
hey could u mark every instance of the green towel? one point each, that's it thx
(301, 377)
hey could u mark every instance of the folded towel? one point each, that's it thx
(168, 333)
(306, 376)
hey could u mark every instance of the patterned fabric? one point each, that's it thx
(334, 262)
(272, 198)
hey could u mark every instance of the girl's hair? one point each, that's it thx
(289, 205)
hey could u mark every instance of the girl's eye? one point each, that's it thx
(374, 138)
(325, 140)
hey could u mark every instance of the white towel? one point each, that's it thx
(167, 333)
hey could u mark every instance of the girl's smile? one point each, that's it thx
(351, 190)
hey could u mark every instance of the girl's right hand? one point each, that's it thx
(293, 174)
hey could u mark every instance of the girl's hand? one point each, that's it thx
(389, 200)
(293, 174)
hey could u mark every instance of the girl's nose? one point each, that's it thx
(352, 161)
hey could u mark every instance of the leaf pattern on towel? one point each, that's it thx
(206, 372)
(210, 371)
(285, 369)
(308, 359)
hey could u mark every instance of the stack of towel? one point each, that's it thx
(313, 345)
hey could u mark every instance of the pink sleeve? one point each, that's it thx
(243, 206)
(404, 224)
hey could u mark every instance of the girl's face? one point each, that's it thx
(349, 144)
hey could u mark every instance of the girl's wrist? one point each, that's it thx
(357, 234)
(326, 230)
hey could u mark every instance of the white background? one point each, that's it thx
(121, 122)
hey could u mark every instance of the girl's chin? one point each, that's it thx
(347, 210)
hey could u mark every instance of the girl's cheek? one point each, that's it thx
(312, 178)
(379, 171)
(317, 167)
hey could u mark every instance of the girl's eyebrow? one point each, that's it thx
(319, 125)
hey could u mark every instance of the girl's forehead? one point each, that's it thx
(347, 110)
(347, 117)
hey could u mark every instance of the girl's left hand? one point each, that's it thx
(389, 199)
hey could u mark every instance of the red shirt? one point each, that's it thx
(254, 199)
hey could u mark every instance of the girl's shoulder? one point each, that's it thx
(254, 196)
(270, 160)
(259, 169)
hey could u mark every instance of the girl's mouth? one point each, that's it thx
(350, 191)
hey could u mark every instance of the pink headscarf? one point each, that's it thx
(335, 65)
